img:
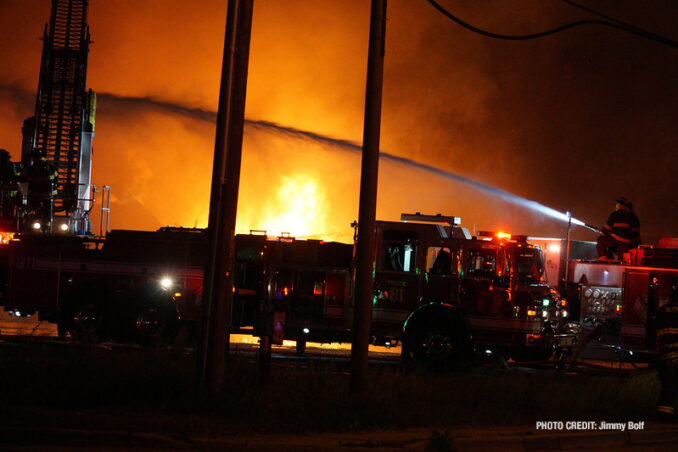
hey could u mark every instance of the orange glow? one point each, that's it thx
(531, 338)
(298, 208)
(531, 313)
(154, 139)
(6, 237)
(503, 235)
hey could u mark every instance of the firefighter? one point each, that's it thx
(620, 233)
(667, 340)
(41, 177)
(8, 185)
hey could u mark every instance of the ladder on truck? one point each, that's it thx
(63, 126)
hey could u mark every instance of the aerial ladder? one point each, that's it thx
(60, 133)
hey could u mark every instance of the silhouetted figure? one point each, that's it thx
(41, 177)
(9, 188)
(621, 231)
(443, 263)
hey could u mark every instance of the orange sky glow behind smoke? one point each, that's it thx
(541, 119)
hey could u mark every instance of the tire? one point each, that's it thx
(86, 323)
(150, 327)
(438, 339)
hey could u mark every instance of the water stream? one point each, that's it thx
(334, 144)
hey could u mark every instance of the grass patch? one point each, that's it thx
(156, 389)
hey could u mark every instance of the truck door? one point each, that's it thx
(337, 287)
(441, 278)
(396, 279)
(307, 301)
(482, 291)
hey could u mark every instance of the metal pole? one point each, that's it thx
(224, 195)
(366, 247)
(567, 251)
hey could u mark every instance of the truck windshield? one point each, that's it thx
(530, 265)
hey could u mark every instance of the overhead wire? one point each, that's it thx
(612, 23)
(640, 31)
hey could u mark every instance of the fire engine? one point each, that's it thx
(130, 285)
(617, 301)
(443, 292)
(147, 286)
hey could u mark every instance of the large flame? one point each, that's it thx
(296, 208)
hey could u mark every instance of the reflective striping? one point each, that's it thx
(663, 331)
(620, 238)
(665, 409)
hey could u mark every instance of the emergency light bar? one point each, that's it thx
(452, 221)
(491, 235)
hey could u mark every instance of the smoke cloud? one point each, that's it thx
(572, 121)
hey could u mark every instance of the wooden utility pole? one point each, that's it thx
(217, 293)
(366, 247)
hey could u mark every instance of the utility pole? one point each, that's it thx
(217, 292)
(366, 247)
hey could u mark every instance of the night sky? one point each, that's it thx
(572, 121)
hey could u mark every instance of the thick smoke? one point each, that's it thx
(319, 156)
(571, 121)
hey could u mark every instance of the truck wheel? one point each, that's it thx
(150, 327)
(86, 323)
(439, 342)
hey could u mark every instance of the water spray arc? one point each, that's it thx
(343, 145)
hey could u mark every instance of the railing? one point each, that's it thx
(105, 209)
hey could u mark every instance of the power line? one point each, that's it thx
(612, 23)
(640, 31)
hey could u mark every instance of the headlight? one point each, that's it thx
(166, 283)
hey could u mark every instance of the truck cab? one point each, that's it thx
(490, 288)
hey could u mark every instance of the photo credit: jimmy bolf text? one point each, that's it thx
(589, 425)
